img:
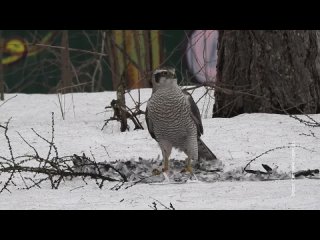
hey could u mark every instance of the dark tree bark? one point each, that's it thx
(267, 71)
(111, 51)
(66, 73)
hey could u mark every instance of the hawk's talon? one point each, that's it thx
(163, 170)
(156, 172)
(187, 169)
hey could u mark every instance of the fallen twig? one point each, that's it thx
(268, 151)
(8, 100)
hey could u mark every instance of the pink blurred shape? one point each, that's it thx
(202, 54)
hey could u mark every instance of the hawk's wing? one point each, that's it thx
(149, 125)
(195, 113)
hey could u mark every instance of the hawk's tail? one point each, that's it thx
(204, 152)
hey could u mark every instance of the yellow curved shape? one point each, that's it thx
(11, 59)
(15, 46)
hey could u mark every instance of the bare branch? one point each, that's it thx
(271, 150)
(70, 49)
(8, 100)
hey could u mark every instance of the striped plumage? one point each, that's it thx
(174, 120)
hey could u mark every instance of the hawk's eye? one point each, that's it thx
(157, 77)
(164, 73)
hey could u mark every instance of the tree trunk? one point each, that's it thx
(267, 71)
(134, 53)
(113, 55)
(66, 73)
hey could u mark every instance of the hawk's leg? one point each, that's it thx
(165, 164)
(188, 167)
(165, 168)
(166, 151)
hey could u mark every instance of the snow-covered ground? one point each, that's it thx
(235, 141)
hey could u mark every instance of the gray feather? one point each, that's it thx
(149, 125)
(195, 113)
(204, 152)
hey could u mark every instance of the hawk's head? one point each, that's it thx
(164, 78)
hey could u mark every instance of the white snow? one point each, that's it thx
(234, 141)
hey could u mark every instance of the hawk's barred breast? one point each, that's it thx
(170, 113)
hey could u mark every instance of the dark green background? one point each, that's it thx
(37, 74)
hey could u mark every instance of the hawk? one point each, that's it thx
(173, 120)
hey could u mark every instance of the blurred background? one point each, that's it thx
(50, 61)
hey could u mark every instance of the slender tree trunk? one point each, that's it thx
(267, 71)
(147, 57)
(118, 78)
(66, 74)
(113, 59)
(122, 103)
(1, 69)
